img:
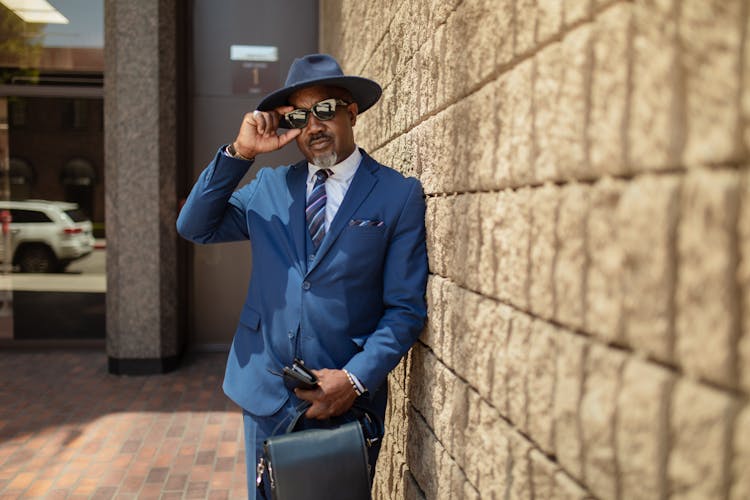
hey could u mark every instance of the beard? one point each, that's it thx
(325, 160)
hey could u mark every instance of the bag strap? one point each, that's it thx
(372, 424)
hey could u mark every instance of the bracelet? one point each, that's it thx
(356, 388)
(234, 154)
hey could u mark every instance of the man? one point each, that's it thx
(339, 256)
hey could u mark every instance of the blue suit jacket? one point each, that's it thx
(358, 303)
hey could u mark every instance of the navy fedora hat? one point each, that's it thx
(322, 69)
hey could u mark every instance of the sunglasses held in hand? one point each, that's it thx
(324, 110)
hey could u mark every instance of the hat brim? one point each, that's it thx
(365, 93)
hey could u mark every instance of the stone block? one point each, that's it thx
(542, 474)
(429, 399)
(430, 84)
(571, 261)
(575, 88)
(541, 384)
(741, 456)
(496, 232)
(598, 416)
(440, 229)
(515, 140)
(647, 223)
(518, 366)
(479, 36)
(549, 75)
(700, 424)
(498, 358)
(707, 298)
(412, 491)
(403, 35)
(475, 169)
(567, 489)
(491, 457)
(436, 472)
(517, 243)
(460, 310)
(604, 281)
(745, 91)
(396, 413)
(458, 419)
(571, 355)
(543, 246)
(440, 10)
(491, 214)
(481, 358)
(549, 19)
(525, 26)
(575, 11)
(656, 127)
(466, 246)
(432, 154)
(642, 429)
(743, 280)
(425, 456)
(503, 119)
(710, 34)
(611, 35)
(433, 331)
(521, 486)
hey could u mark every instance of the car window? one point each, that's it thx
(20, 215)
(76, 215)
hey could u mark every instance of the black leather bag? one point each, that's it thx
(325, 464)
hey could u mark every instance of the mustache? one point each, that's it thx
(318, 136)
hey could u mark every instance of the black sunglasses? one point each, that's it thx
(324, 110)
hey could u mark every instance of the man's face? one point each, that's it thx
(325, 143)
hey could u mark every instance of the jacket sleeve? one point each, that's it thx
(404, 287)
(214, 212)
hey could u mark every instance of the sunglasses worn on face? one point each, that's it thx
(324, 110)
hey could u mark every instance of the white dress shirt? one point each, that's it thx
(337, 184)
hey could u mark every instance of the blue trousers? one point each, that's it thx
(258, 429)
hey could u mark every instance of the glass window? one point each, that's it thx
(26, 216)
(51, 99)
(77, 215)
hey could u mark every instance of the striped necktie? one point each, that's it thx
(316, 208)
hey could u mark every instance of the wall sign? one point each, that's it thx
(255, 69)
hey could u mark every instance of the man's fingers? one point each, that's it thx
(261, 122)
(284, 109)
(289, 136)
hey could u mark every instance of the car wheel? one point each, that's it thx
(37, 259)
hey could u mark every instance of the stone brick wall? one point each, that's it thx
(585, 164)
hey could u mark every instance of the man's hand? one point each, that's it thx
(258, 133)
(333, 397)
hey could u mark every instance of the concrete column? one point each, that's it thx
(141, 154)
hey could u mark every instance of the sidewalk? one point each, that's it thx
(68, 429)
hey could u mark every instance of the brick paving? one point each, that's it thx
(70, 430)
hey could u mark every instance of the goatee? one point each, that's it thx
(326, 160)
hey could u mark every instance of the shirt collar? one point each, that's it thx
(342, 171)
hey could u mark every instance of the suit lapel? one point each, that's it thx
(362, 183)
(296, 179)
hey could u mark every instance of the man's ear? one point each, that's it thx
(353, 110)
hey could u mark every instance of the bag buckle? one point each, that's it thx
(259, 472)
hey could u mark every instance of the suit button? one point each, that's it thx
(305, 285)
(311, 257)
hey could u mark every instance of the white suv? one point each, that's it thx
(46, 236)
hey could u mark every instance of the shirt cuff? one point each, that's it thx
(361, 388)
